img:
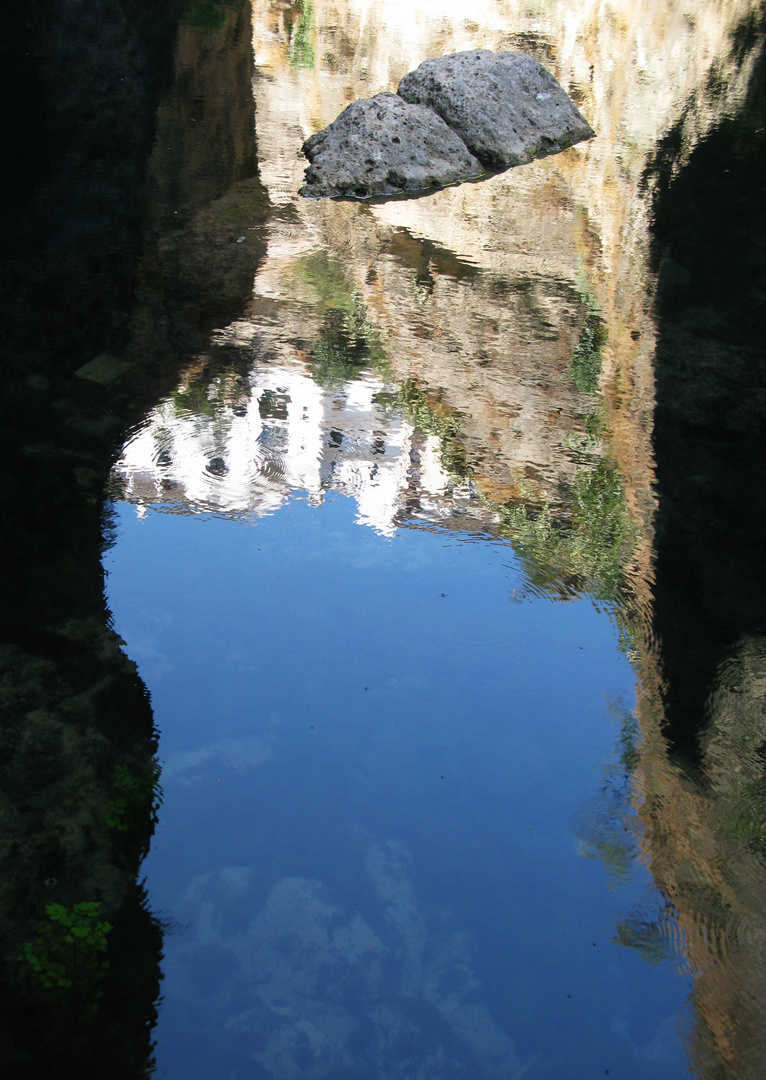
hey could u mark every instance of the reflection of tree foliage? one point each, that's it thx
(585, 364)
(301, 50)
(734, 745)
(219, 385)
(431, 419)
(586, 554)
(334, 363)
(68, 954)
(746, 820)
(607, 826)
(136, 800)
(196, 399)
(654, 936)
(347, 343)
(629, 754)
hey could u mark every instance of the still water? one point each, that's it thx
(398, 835)
(384, 561)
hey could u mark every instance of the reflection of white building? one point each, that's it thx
(245, 457)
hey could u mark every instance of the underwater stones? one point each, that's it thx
(505, 106)
(384, 145)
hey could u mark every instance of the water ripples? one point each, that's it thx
(608, 828)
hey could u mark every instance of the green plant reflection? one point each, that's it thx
(68, 953)
(301, 49)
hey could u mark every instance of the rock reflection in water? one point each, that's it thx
(704, 703)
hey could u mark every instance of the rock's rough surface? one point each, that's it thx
(505, 106)
(384, 145)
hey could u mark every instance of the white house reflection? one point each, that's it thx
(244, 456)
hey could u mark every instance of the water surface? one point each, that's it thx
(398, 834)
(374, 558)
(434, 529)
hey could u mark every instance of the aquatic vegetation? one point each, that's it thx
(68, 951)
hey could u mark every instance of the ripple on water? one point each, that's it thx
(609, 829)
(270, 464)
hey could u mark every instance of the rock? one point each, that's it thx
(505, 106)
(384, 145)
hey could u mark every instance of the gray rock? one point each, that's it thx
(505, 106)
(381, 146)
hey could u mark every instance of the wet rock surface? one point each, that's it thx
(505, 106)
(383, 145)
(450, 120)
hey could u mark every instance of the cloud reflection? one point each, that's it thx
(195, 766)
(305, 985)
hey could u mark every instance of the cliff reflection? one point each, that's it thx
(704, 716)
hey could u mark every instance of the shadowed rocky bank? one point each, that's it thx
(102, 302)
(703, 762)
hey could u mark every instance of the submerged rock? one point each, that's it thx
(505, 106)
(384, 145)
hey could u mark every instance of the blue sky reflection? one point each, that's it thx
(381, 776)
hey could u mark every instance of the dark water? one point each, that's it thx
(432, 741)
